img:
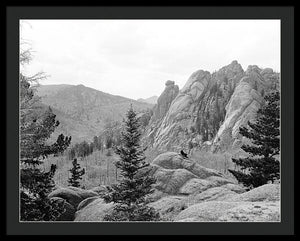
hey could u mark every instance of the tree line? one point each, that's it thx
(110, 137)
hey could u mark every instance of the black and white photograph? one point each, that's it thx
(150, 120)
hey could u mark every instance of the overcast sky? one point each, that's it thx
(134, 58)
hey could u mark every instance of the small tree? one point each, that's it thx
(129, 194)
(76, 174)
(261, 166)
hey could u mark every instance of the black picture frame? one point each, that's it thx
(285, 14)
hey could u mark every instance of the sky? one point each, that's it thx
(134, 58)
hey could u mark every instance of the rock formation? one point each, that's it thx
(244, 104)
(188, 192)
(73, 197)
(208, 111)
(165, 99)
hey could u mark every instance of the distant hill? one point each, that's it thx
(83, 111)
(150, 100)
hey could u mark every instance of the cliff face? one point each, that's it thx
(208, 111)
(244, 104)
(165, 99)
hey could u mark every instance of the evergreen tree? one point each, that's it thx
(76, 174)
(261, 166)
(129, 194)
(36, 126)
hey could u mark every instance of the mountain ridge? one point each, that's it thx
(84, 111)
(150, 100)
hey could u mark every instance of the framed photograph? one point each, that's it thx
(150, 120)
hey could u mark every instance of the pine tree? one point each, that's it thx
(35, 183)
(76, 174)
(36, 126)
(261, 166)
(130, 193)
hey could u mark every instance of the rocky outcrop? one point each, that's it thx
(73, 198)
(86, 202)
(267, 192)
(173, 160)
(235, 188)
(169, 207)
(212, 194)
(99, 189)
(187, 192)
(195, 185)
(94, 211)
(243, 105)
(68, 213)
(205, 211)
(198, 109)
(252, 212)
(174, 174)
(165, 99)
(162, 106)
(72, 195)
(219, 211)
(67, 194)
(208, 111)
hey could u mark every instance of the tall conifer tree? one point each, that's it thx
(261, 166)
(130, 193)
(76, 174)
(36, 126)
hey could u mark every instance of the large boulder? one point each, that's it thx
(86, 202)
(99, 189)
(215, 193)
(253, 212)
(235, 188)
(69, 211)
(219, 181)
(195, 185)
(72, 195)
(67, 194)
(170, 181)
(84, 193)
(168, 207)
(94, 211)
(205, 211)
(218, 211)
(177, 175)
(173, 160)
(267, 193)
(156, 195)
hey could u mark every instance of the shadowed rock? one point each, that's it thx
(94, 211)
(169, 207)
(69, 211)
(72, 195)
(86, 202)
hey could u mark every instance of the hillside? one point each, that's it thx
(150, 100)
(83, 111)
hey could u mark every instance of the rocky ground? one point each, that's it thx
(184, 192)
